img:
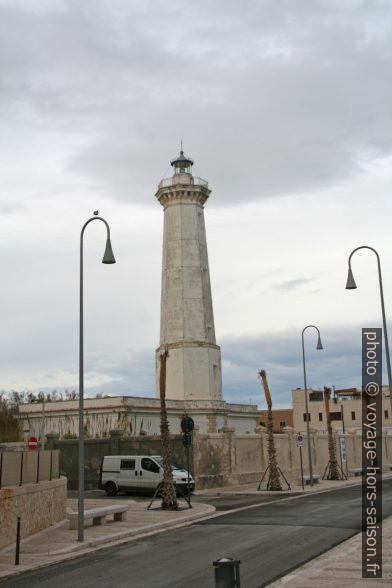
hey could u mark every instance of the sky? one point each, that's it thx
(285, 107)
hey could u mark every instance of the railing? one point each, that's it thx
(185, 179)
(28, 467)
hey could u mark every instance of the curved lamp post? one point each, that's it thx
(351, 285)
(319, 346)
(108, 257)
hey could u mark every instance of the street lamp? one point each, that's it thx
(108, 257)
(351, 285)
(319, 346)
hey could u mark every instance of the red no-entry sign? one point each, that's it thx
(33, 443)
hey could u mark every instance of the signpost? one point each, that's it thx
(32, 443)
(343, 451)
(300, 444)
(187, 426)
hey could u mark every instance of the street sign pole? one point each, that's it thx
(187, 426)
(300, 444)
(187, 469)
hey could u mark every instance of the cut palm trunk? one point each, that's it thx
(332, 469)
(273, 468)
(169, 499)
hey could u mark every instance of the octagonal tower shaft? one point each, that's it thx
(187, 321)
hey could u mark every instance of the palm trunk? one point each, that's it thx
(333, 473)
(274, 479)
(169, 500)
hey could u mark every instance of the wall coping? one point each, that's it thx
(12, 491)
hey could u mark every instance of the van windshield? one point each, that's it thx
(159, 460)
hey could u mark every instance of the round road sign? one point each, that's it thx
(300, 440)
(33, 443)
(187, 424)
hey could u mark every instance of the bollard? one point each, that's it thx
(17, 551)
(227, 573)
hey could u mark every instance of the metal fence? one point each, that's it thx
(28, 467)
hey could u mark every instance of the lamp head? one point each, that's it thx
(108, 256)
(350, 285)
(319, 344)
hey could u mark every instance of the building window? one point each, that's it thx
(306, 419)
(315, 395)
(335, 416)
(320, 416)
(386, 414)
(282, 424)
(353, 415)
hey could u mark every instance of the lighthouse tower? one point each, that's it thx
(187, 320)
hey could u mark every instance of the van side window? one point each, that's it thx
(149, 465)
(127, 464)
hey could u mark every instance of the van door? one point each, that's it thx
(127, 478)
(150, 474)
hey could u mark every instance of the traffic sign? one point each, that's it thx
(343, 449)
(33, 443)
(187, 424)
(300, 440)
(187, 440)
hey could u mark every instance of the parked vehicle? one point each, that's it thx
(132, 473)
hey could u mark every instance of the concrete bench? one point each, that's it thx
(98, 515)
(307, 479)
(356, 471)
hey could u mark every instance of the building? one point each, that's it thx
(281, 418)
(345, 408)
(193, 369)
(131, 415)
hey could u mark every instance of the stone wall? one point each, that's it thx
(38, 505)
(116, 444)
(229, 458)
(216, 459)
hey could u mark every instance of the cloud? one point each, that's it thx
(288, 285)
(124, 82)
(280, 354)
(339, 364)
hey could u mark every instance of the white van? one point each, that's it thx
(138, 473)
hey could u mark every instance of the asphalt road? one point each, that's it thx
(269, 540)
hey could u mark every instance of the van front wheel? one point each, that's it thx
(110, 489)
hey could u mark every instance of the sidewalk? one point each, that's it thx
(341, 566)
(58, 543)
(251, 489)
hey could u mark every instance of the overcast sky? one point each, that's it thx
(286, 108)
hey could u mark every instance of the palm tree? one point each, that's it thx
(274, 479)
(169, 499)
(333, 473)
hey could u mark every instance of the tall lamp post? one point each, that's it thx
(107, 258)
(319, 346)
(351, 285)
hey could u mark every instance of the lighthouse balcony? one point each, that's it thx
(183, 179)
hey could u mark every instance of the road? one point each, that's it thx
(269, 540)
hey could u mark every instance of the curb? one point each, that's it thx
(101, 543)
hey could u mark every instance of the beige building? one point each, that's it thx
(345, 408)
(281, 418)
(133, 416)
